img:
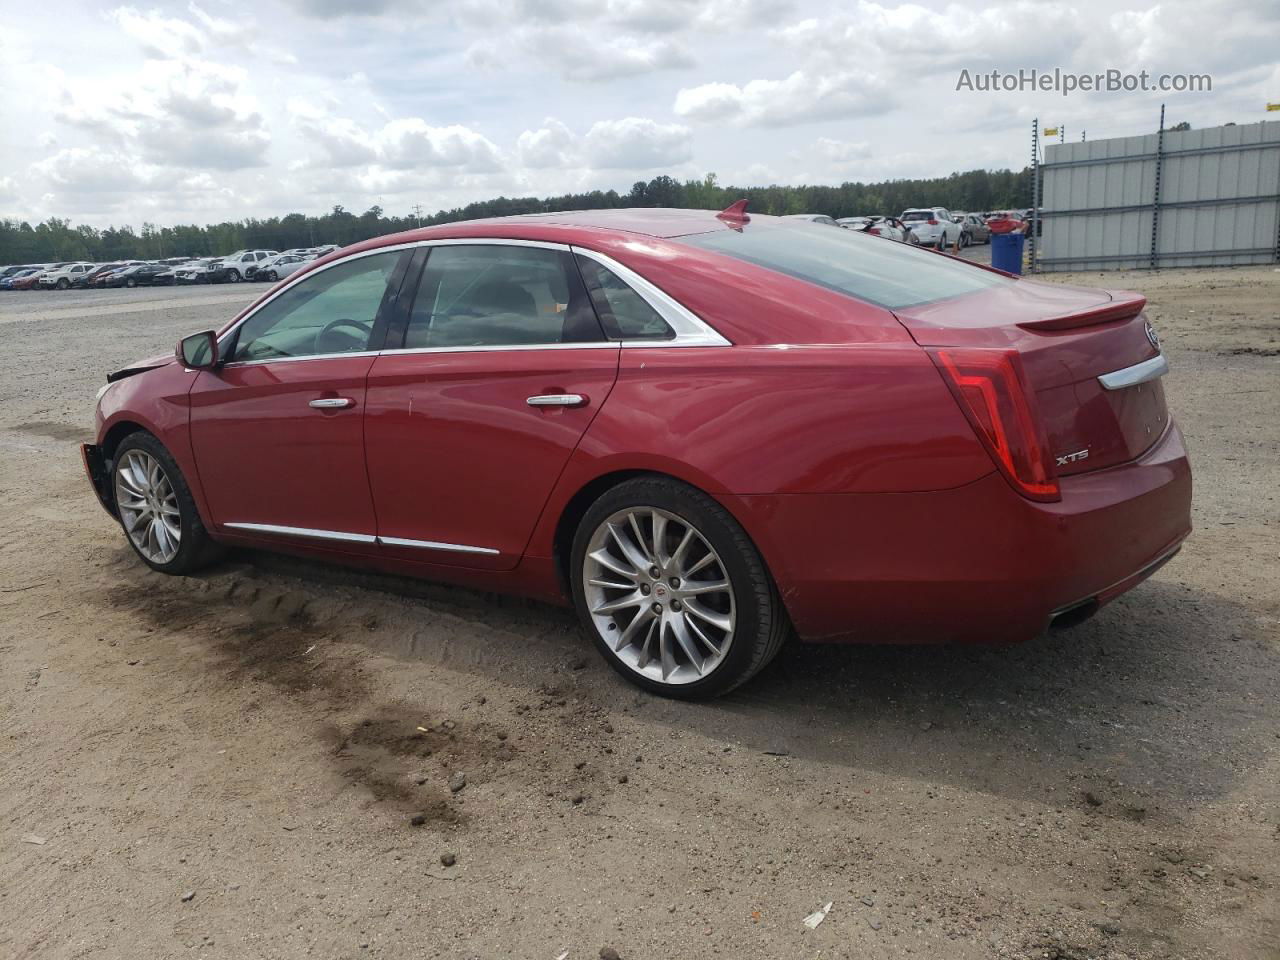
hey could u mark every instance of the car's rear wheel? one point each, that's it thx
(155, 508)
(672, 590)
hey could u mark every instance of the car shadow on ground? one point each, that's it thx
(1145, 708)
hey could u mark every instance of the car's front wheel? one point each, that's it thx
(155, 508)
(233, 276)
(672, 590)
(63, 283)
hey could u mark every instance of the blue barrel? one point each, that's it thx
(1006, 251)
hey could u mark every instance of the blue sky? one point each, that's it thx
(195, 112)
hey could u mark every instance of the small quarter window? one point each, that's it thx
(625, 314)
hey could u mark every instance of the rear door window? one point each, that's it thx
(499, 295)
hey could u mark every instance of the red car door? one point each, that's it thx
(278, 430)
(501, 367)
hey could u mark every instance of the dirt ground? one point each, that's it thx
(256, 763)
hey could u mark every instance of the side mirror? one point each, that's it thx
(198, 351)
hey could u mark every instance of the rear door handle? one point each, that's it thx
(332, 403)
(557, 400)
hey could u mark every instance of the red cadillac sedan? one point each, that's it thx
(708, 432)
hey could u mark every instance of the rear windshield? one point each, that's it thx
(881, 272)
(918, 215)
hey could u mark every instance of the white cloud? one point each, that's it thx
(635, 143)
(579, 54)
(799, 98)
(551, 145)
(842, 151)
(412, 142)
(159, 36)
(631, 143)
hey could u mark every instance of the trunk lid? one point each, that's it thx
(1066, 338)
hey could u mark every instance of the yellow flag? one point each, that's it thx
(1050, 131)
(1273, 106)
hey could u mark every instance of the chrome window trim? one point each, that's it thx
(342, 537)
(691, 330)
(1143, 372)
(588, 345)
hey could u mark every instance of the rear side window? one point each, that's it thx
(490, 295)
(625, 314)
(888, 274)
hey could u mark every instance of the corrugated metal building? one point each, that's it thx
(1190, 198)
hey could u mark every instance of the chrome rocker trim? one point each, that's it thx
(341, 537)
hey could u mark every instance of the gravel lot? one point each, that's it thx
(258, 762)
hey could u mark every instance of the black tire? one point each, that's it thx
(131, 282)
(966, 239)
(233, 276)
(63, 283)
(271, 276)
(761, 624)
(195, 548)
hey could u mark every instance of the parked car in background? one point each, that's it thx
(138, 275)
(196, 271)
(87, 279)
(103, 279)
(60, 278)
(237, 265)
(26, 281)
(952, 455)
(891, 228)
(16, 269)
(812, 218)
(279, 267)
(932, 226)
(975, 229)
(23, 275)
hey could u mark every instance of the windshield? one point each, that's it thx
(888, 274)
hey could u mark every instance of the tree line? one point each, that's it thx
(57, 239)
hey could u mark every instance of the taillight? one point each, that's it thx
(875, 230)
(993, 393)
(933, 223)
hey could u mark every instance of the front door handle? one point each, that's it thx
(332, 403)
(557, 400)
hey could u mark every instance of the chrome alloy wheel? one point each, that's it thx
(659, 595)
(148, 506)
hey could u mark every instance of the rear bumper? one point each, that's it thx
(977, 564)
